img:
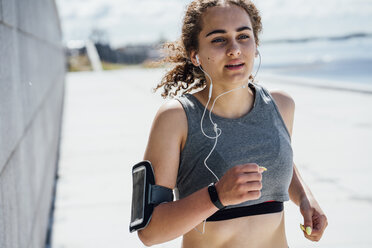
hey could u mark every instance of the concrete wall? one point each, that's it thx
(31, 99)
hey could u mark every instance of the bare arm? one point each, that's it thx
(173, 219)
(299, 192)
(286, 107)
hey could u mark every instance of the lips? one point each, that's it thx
(234, 65)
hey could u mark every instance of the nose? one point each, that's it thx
(233, 50)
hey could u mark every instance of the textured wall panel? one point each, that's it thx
(9, 207)
(11, 117)
(34, 57)
(38, 174)
(39, 19)
(2, 218)
(9, 12)
(31, 101)
(24, 192)
(1, 18)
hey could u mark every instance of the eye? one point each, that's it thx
(243, 37)
(217, 40)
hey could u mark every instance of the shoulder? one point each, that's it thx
(286, 107)
(284, 101)
(170, 113)
(170, 123)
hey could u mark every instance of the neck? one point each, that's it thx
(234, 104)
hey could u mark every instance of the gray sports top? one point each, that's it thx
(259, 136)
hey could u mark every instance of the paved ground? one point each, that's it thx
(106, 123)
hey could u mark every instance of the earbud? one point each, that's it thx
(211, 85)
(210, 91)
(257, 52)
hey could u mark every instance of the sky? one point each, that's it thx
(145, 21)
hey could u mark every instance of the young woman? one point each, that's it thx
(232, 132)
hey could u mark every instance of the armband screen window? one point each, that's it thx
(138, 196)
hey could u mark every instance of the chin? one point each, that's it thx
(238, 79)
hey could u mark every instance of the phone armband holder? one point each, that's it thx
(145, 195)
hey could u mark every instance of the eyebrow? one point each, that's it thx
(221, 31)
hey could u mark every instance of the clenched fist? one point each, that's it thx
(240, 183)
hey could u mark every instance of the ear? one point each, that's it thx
(193, 58)
(256, 53)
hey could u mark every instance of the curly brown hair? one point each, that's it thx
(185, 76)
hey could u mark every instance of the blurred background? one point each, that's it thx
(326, 39)
(76, 107)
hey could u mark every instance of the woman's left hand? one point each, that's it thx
(315, 221)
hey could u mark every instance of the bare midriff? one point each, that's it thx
(258, 231)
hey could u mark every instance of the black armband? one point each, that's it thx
(145, 195)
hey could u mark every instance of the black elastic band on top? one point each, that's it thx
(262, 208)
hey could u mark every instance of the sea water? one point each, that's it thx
(343, 59)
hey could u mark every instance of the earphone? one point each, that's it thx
(216, 129)
(211, 86)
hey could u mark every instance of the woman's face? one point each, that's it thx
(226, 45)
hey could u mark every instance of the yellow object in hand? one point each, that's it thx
(264, 168)
(308, 229)
(302, 227)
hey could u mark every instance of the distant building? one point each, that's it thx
(76, 53)
(76, 56)
(131, 54)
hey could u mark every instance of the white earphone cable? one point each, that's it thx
(217, 130)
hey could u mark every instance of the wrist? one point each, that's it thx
(298, 193)
(213, 195)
